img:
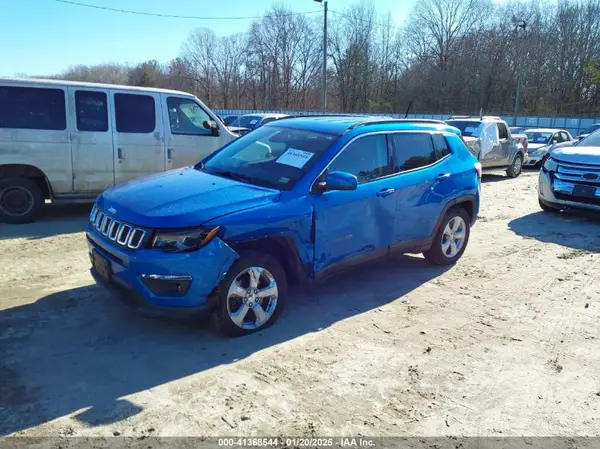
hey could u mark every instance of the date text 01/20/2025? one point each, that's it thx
(296, 442)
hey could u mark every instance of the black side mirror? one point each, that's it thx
(212, 125)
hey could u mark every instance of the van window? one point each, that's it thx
(412, 150)
(92, 111)
(32, 108)
(135, 113)
(187, 117)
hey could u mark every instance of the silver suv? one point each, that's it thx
(570, 178)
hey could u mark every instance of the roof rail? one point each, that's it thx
(478, 117)
(397, 120)
(323, 115)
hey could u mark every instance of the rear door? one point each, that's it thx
(422, 183)
(188, 140)
(138, 135)
(355, 226)
(91, 140)
(506, 145)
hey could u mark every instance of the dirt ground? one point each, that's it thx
(506, 342)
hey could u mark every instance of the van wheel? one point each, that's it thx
(516, 167)
(251, 296)
(21, 200)
(451, 238)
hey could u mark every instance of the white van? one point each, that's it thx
(69, 141)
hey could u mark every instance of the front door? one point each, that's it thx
(188, 140)
(355, 226)
(91, 140)
(139, 139)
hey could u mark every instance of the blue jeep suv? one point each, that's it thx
(293, 201)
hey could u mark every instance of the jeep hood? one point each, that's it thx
(578, 154)
(181, 198)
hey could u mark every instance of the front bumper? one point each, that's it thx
(533, 158)
(197, 274)
(557, 194)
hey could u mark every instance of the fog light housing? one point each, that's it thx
(167, 285)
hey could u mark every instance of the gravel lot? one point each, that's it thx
(504, 343)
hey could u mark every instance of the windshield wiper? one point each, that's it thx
(231, 175)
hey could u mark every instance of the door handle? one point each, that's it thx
(385, 192)
(120, 154)
(169, 153)
(442, 176)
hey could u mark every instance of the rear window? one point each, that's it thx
(32, 108)
(468, 128)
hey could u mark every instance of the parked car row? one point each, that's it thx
(239, 217)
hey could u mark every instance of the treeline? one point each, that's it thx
(451, 56)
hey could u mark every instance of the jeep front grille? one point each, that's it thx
(122, 233)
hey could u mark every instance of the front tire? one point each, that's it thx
(21, 200)
(451, 238)
(251, 296)
(516, 167)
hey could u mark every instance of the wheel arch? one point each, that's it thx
(466, 202)
(27, 171)
(282, 248)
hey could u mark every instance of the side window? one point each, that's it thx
(187, 117)
(92, 111)
(366, 158)
(441, 146)
(502, 131)
(135, 113)
(412, 150)
(564, 137)
(32, 108)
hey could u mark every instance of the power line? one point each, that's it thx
(173, 16)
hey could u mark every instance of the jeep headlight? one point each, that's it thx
(550, 165)
(182, 241)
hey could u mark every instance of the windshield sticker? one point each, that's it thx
(253, 122)
(470, 129)
(284, 180)
(295, 158)
(541, 139)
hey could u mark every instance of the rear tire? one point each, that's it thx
(516, 167)
(21, 200)
(445, 248)
(244, 305)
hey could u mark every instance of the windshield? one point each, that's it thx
(591, 129)
(246, 121)
(271, 156)
(230, 119)
(593, 140)
(467, 128)
(534, 137)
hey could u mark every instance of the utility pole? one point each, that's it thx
(324, 98)
(521, 24)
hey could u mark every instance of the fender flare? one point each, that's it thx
(471, 199)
